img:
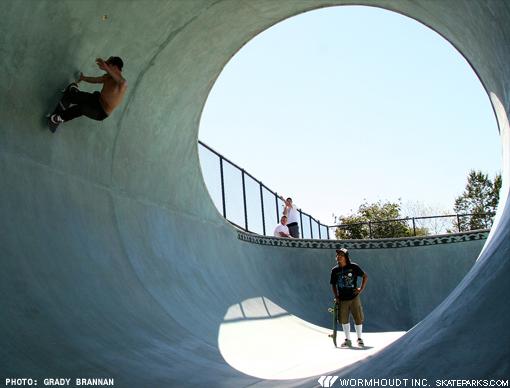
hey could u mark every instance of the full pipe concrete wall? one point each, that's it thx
(115, 261)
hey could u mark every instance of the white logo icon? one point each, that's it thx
(327, 381)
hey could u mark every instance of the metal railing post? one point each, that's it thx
(327, 229)
(369, 229)
(414, 227)
(311, 230)
(319, 226)
(458, 223)
(277, 211)
(244, 202)
(262, 208)
(223, 188)
(301, 223)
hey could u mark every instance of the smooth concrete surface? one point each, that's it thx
(289, 348)
(114, 260)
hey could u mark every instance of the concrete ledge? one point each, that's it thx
(402, 242)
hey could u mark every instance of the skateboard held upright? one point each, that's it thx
(334, 311)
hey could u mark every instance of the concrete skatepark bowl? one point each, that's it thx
(115, 262)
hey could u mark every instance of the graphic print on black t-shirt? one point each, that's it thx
(346, 280)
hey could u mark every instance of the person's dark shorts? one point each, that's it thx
(293, 229)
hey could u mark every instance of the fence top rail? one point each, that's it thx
(236, 166)
(410, 219)
(230, 162)
(250, 175)
(313, 219)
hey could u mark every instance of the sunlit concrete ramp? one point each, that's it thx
(116, 264)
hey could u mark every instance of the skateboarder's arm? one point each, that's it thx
(335, 291)
(363, 283)
(92, 80)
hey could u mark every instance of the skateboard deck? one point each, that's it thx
(334, 311)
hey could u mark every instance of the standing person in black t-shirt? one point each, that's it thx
(344, 283)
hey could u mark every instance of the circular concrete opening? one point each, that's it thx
(254, 128)
(348, 103)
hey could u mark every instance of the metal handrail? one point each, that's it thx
(413, 219)
(262, 186)
(311, 220)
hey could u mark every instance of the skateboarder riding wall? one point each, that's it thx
(97, 105)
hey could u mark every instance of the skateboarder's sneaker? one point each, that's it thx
(71, 87)
(65, 101)
(54, 121)
(360, 343)
(346, 344)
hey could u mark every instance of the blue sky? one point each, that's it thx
(346, 104)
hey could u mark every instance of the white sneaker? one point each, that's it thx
(56, 119)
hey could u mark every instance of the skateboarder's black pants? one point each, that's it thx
(87, 104)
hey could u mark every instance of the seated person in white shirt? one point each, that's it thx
(281, 229)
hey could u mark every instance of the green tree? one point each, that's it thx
(480, 198)
(366, 222)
